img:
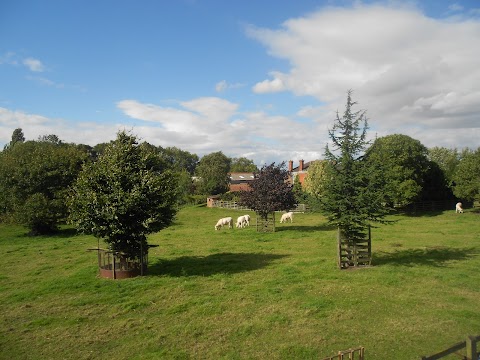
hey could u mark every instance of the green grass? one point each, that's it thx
(239, 294)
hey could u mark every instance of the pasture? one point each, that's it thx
(239, 294)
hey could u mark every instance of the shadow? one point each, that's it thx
(304, 228)
(430, 213)
(432, 256)
(222, 263)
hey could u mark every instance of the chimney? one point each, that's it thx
(290, 165)
(300, 167)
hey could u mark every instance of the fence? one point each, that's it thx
(342, 355)
(469, 346)
(234, 205)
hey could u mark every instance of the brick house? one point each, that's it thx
(239, 180)
(298, 173)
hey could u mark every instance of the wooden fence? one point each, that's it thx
(469, 347)
(351, 353)
(300, 208)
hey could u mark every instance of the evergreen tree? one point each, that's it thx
(352, 194)
(124, 196)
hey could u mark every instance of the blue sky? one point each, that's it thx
(259, 79)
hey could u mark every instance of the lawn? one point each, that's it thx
(239, 294)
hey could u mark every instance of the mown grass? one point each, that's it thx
(239, 294)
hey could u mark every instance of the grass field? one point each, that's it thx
(239, 294)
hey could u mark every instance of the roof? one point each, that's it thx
(241, 176)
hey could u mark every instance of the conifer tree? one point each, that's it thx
(353, 193)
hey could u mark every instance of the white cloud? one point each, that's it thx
(34, 65)
(223, 86)
(406, 69)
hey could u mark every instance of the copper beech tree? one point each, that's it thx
(270, 191)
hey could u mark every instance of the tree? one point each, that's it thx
(467, 176)
(446, 159)
(405, 164)
(352, 194)
(180, 160)
(34, 178)
(270, 191)
(212, 171)
(122, 197)
(243, 164)
(316, 178)
(17, 137)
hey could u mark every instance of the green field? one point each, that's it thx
(239, 294)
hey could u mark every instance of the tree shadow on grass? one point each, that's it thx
(222, 263)
(432, 256)
(304, 228)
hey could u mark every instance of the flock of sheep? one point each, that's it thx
(244, 220)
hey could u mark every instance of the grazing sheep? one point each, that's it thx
(247, 220)
(224, 221)
(241, 221)
(287, 216)
(458, 208)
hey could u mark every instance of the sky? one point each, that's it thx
(257, 79)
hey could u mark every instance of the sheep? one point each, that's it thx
(241, 221)
(224, 221)
(247, 219)
(287, 216)
(458, 208)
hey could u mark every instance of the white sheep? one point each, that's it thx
(458, 208)
(247, 219)
(224, 221)
(241, 221)
(287, 216)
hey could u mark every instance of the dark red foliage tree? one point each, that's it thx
(270, 191)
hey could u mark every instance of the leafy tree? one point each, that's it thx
(467, 176)
(34, 178)
(52, 138)
(123, 196)
(270, 191)
(17, 137)
(315, 180)
(446, 159)
(180, 160)
(352, 194)
(243, 164)
(405, 165)
(212, 171)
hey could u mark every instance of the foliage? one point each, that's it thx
(352, 194)
(242, 164)
(404, 162)
(180, 160)
(446, 159)
(36, 174)
(316, 179)
(212, 171)
(124, 196)
(467, 176)
(17, 136)
(270, 191)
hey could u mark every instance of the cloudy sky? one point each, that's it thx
(258, 79)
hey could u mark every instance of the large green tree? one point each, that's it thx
(446, 159)
(405, 163)
(123, 196)
(352, 195)
(242, 164)
(212, 172)
(467, 176)
(34, 178)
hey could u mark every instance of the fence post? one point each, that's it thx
(471, 348)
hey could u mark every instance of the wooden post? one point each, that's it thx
(472, 348)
